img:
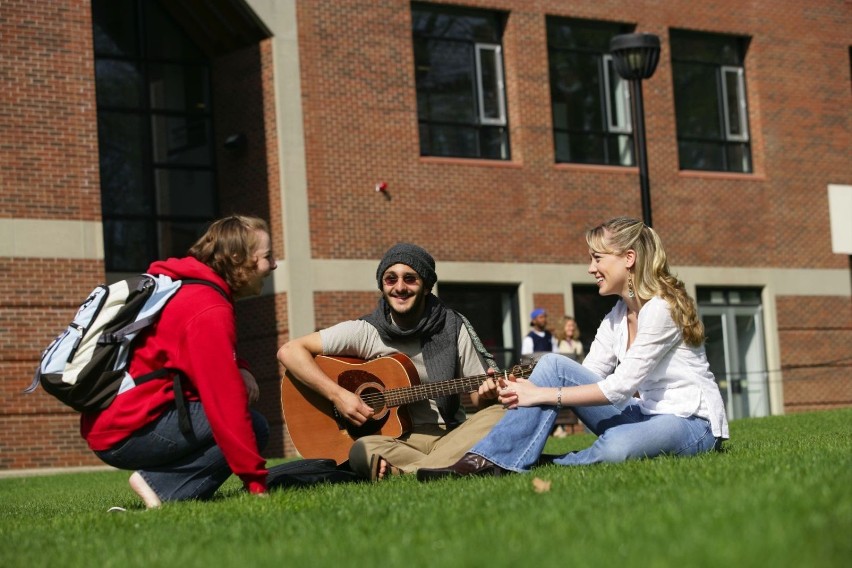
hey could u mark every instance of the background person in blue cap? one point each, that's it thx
(539, 340)
(409, 319)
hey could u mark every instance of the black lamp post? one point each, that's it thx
(635, 57)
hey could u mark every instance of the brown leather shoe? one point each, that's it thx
(470, 464)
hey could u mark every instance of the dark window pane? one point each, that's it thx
(697, 101)
(118, 83)
(493, 142)
(451, 140)
(176, 238)
(701, 155)
(114, 27)
(563, 33)
(452, 23)
(587, 148)
(445, 82)
(739, 158)
(179, 87)
(121, 143)
(576, 85)
(185, 193)
(718, 49)
(619, 150)
(129, 246)
(181, 140)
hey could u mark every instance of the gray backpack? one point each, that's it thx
(85, 366)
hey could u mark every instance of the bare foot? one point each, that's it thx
(141, 487)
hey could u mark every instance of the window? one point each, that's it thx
(154, 134)
(710, 101)
(461, 100)
(589, 100)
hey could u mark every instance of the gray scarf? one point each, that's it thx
(438, 330)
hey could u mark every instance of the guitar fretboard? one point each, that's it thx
(407, 395)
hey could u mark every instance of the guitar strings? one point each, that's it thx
(396, 396)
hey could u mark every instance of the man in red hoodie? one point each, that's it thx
(197, 335)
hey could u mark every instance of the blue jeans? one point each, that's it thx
(175, 466)
(516, 442)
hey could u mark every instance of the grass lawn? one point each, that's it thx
(780, 495)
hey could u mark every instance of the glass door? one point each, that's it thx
(735, 350)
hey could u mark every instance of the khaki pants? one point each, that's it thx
(426, 446)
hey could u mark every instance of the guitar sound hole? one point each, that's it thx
(374, 398)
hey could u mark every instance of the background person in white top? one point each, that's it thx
(651, 343)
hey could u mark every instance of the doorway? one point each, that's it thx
(493, 312)
(733, 323)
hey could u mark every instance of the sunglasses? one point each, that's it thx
(392, 279)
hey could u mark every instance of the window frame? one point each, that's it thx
(497, 49)
(742, 107)
(624, 87)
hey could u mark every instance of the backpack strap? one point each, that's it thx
(207, 283)
(181, 403)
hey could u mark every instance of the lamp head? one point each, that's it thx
(635, 56)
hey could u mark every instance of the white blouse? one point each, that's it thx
(670, 376)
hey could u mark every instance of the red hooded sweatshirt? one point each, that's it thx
(197, 334)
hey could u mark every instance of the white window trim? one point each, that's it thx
(741, 103)
(498, 72)
(612, 115)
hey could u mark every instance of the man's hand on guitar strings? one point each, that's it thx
(352, 408)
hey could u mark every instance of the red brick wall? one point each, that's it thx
(48, 170)
(816, 352)
(361, 127)
(48, 148)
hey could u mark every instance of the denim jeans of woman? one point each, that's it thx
(516, 442)
(178, 467)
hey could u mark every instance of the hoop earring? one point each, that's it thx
(631, 293)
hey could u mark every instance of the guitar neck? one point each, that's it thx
(407, 395)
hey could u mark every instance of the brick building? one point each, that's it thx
(499, 131)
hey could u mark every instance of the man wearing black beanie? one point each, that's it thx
(441, 344)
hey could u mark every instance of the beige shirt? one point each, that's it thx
(357, 338)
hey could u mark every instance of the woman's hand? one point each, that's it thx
(521, 392)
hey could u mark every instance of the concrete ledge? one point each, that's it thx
(10, 473)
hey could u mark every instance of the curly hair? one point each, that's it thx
(651, 274)
(228, 248)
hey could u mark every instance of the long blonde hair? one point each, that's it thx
(559, 330)
(228, 248)
(651, 274)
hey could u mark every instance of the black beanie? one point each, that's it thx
(410, 255)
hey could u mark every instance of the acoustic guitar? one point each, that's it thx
(385, 384)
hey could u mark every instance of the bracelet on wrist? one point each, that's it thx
(559, 398)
